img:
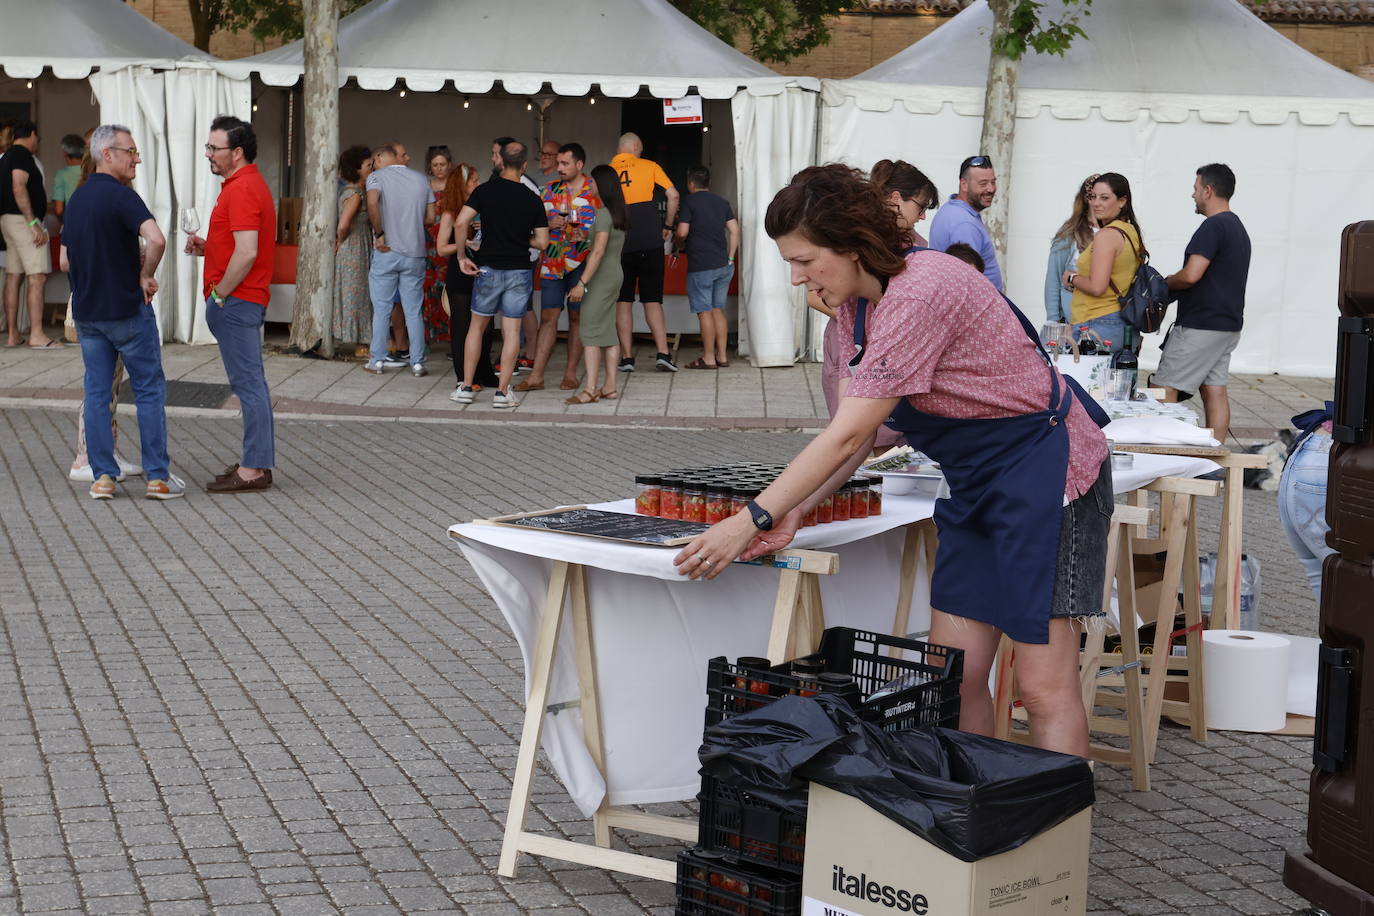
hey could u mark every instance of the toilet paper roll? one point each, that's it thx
(1245, 679)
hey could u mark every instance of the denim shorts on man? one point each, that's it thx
(707, 289)
(553, 291)
(506, 291)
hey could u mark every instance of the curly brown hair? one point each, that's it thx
(835, 207)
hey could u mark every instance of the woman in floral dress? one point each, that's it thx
(438, 163)
(352, 317)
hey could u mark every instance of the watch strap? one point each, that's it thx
(763, 519)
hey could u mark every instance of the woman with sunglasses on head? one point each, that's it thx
(911, 195)
(944, 358)
(1107, 267)
(1072, 239)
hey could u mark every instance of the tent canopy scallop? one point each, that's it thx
(74, 37)
(1165, 56)
(620, 46)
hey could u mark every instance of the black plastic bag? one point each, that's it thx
(971, 796)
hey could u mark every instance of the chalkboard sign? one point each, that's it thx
(645, 530)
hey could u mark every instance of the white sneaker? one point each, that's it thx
(462, 395)
(375, 367)
(418, 370)
(84, 474)
(503, 399)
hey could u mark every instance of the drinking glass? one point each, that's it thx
(190, 221)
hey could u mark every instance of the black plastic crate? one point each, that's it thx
(930, 696)
(736, 823)
(714, 885)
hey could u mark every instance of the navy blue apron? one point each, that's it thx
(999, 528)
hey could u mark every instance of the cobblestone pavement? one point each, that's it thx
(304, 702)
(740, 396)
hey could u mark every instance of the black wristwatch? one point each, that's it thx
(763, 519)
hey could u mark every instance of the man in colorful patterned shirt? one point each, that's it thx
(571, 204)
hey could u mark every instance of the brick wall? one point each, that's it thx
(859, 41)
(175, 17)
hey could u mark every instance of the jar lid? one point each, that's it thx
(651, 479)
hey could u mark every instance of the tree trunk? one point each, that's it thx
(311, 321)
(200, 24)
(999, 127)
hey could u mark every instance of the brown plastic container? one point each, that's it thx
(1337, 873)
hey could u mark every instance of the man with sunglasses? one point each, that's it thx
(961, 220)
(239, 248)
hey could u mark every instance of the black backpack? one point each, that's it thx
(1146, 301)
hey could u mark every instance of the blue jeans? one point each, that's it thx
(506, 291)
(707, 289)
(1109, 327)
(237, 326)
(139, 342)
(394, 274)
(1302, 506)
(553, 291)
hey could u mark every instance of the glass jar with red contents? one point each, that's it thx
(718, 502)
(875, 498)
(647, 490)
(741, 493)
(809, 519)
(749, 679)
(840, 502)
(858, 497)
(693, 499)
(825, 510)
(670, 498)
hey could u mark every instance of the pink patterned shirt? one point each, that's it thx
(944, 338)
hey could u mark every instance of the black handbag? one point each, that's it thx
(1145, 302)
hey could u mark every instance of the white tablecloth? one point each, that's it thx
(653, 631)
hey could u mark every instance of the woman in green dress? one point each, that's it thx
(598, 289)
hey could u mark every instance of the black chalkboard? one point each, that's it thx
(614, 526)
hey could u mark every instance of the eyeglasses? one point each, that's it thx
(212, 149)
(131, 150)
(975, 162)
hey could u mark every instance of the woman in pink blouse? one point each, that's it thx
(941, 356)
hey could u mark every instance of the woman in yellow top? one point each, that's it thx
(1106, 268)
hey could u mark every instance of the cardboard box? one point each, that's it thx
(860, 863)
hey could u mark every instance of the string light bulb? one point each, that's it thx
(706, 128)
(467, 101)
(592, 100)
(403, 93)
(529, 106)
(29, 84)
(255, 106)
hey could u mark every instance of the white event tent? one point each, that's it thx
(461, 72)
(1155, 90)
(78, 63)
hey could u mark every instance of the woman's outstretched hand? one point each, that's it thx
(735, 538)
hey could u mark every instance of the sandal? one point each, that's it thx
(582, 398)
(526, 386)
(608, 395)
(700, 363)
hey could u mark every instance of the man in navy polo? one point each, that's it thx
(962, 221)
(112, 289)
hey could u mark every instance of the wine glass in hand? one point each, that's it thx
(190, 220)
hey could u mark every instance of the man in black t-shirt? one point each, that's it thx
(23, 204)
(513, 221)
(1211, 301)
(709, 233)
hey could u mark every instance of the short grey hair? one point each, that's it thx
(103, 137)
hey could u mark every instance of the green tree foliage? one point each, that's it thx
(263, 18)
(1031, 30)
(776, 30)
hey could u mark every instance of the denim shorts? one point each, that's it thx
(508, 291)
(553, 291)
(1081, 568)
(707, 289)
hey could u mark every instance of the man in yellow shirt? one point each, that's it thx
(642, 258)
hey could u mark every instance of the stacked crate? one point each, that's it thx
(748, 861)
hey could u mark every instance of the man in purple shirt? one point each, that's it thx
(961, 219)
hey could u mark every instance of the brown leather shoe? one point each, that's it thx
(232, 469)
(236, 484)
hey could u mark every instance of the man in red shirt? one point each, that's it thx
(238, 251)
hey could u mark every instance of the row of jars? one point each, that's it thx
(701, 499)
